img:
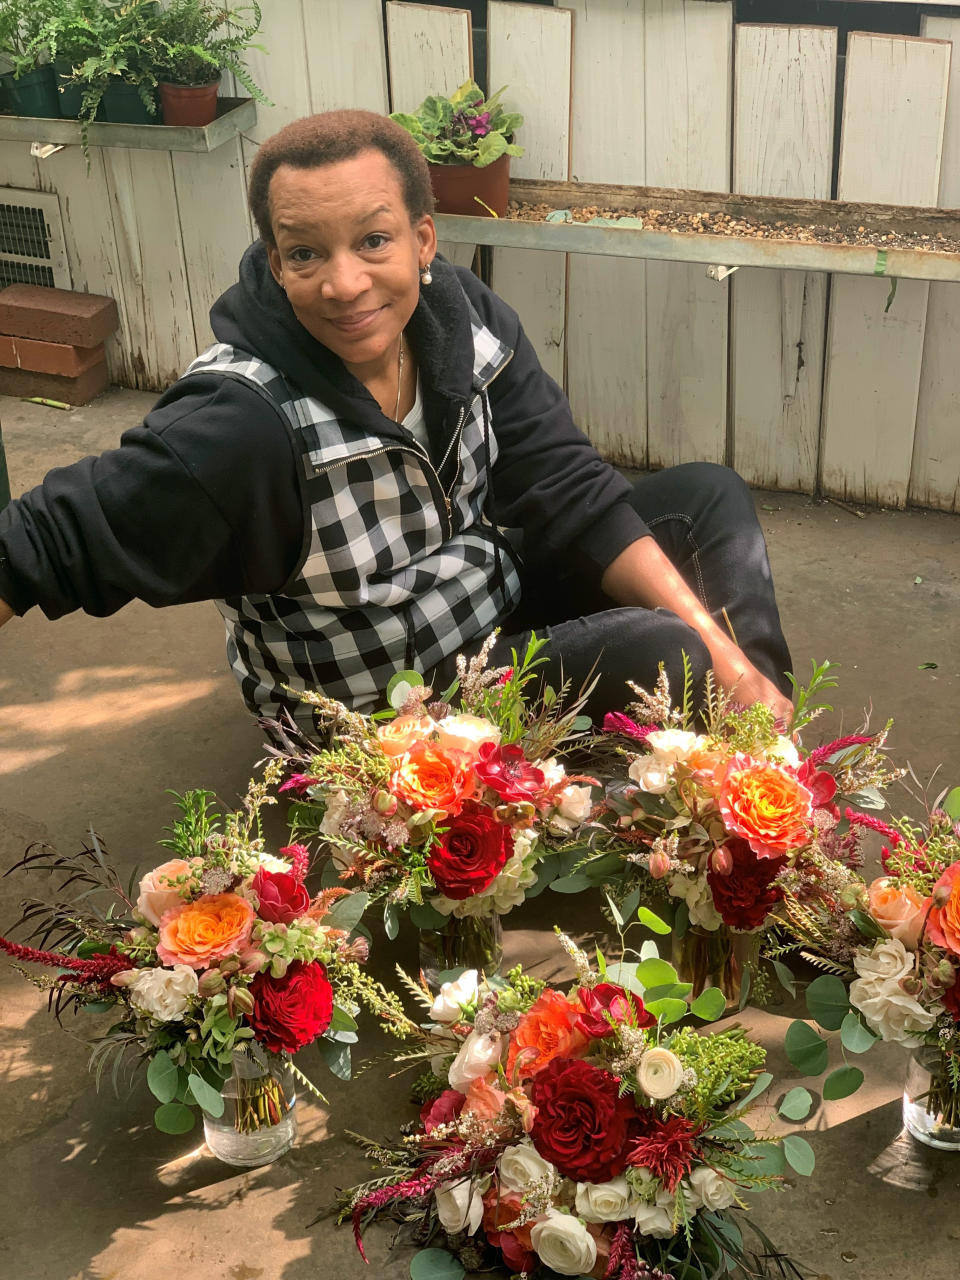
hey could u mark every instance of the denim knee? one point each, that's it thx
(715, 482)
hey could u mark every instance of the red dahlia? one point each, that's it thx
(745, 897)
(665, 1147)
(507, 771)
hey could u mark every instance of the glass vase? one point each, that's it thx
(259, 1121)
(931, 1101)
(715, 958)
(470, 942)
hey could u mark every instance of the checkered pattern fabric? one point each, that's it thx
(390, 580)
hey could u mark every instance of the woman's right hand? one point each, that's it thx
(737, 674)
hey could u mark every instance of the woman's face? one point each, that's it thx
(348, 256)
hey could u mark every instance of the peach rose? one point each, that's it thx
(897, 908)
(209, 929)
(548, 1030)
(399, 735)
(465, 733)
(165, 887)
(429, 776)
(766, 805)
(943, 924)
(484, 1100)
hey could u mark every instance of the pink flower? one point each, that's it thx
(442, 1110)
(617, 722)
(506, 771)
(299, 782)
(165, 887)
(282, 898)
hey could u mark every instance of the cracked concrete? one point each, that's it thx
(101, 715)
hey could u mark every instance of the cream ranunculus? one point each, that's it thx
(656, 1218)
(564, 1243)
(448, 1006)
(521, 1166)
(651, 773)
(890, 1012)
(466, 733)
(660, 1074)
(606, 1201)
(334, 814)
(164, 994)
(459, 1206)
(672, 745)
(784, 752)
(709, 1189)
(695, 891)
(160, 889)
(478, 1056)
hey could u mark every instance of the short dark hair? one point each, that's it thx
(331, 136)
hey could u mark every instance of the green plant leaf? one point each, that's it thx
(673, 990)
(206, 1097)
(173, 1117)
(341, 1020)
(391, 920)
(784, 977)
(667, 1010)
(827, 1001)
(614, 911)
(763, 1081)
(854, 1036)
(547, 872)
(652, 921)
(796, 1105)
(654, 973)
(401, 686)
(572, 884)
(337, 1058)
(650, 951)
(624, 974)
(951, 804)
(162, 1077)
(765, 1158)
(806, 1050)
(346, 913)
(436, 1264)
(709, 1005)
(423, 916)
(799, 1154)
(842, 1082)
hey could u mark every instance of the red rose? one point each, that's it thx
(291, 1011)
(282, 897)
(747, 894)
(471, 854)
(507, 772)
(606, 999)
(442, 1110)
(582, 1124)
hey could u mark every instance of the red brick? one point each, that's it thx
(79, 390)
(57, 315)
(48, 357)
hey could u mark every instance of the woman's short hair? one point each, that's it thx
(332, 136)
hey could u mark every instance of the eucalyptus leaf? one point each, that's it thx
(337, 1058)
(671, 990)
(173, 1117)
(346, 913)
(763, 1081)
(162, 1077)
(784, 977)
(629, 904)
(614, 911)
(796, 1105)
(655, 972)
(547, 872)
(624, 974)
(799, 1154)
(842, 1082)
(828, 1002)
(951, 804)
(668, 1011)
(391, 920)
(867, 925)
(650, 951)
(572, 884)
(854, 1036)
(652, 921)
(210, 1099)
(709, 1005)
(436, 1264)
(423, 916)
(806, 1050)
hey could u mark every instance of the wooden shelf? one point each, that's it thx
(607, 238)
(234, 115)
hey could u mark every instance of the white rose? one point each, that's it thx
(606, 1201)
(575, 803)
(888, 958)
(651, 773)
(695, 891)
(164, 994)
(710, 1189)
(552, 770)
(656, 1218)
(334, 814)
(466, 733)
(459, 1206)
(478, 1056)
(521, 1166)
(270, 862)
(564, 1243)
(660, 1074)
(448, 1006)
(889, 1011)
(784, 751)
(672, 745)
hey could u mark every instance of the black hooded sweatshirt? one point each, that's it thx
(203, 500)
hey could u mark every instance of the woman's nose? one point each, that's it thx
(346, 278)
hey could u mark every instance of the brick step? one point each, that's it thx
(48, 357)
(79, 390)
(57, 315)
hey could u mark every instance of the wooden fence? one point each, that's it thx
(798, 379)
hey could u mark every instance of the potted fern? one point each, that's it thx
(467, 141)
(197, 41)
(27, 78)
(74, 31)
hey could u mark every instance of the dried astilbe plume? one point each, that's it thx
(474, 676)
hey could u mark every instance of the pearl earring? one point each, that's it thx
(425, 276)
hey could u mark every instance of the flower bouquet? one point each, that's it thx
(580, 1133)
(448, 810)
(892, 951)
(716, 819)
(217, 965)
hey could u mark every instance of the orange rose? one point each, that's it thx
(943, 924)
(548, 1030)
(897, 908)
(433, 777)
(765, 804)
(484, 1100)
(397, 736)
(209, 929)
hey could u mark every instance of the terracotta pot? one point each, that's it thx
(455, 185)
(189, 104)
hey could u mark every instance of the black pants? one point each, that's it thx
(702, 516)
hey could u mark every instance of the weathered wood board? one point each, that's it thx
(782, 146)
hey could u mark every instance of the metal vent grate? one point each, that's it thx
(32, 249)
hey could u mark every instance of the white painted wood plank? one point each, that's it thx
(529, 50)
(893, 119)
(689, 76)
(935, 467)
(150, 250)
(211, 203)
(782, 146)
(17, 167)
(281, 72)
(346, 54)
(429, 50)
(606, 312)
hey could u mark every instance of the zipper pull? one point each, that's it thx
(448, 505)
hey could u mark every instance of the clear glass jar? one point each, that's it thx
(259, 1121)
(715, 958)
(931, 1103)
(470, 942)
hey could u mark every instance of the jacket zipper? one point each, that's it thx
(440, 499)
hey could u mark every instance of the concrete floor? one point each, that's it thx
(100, 716)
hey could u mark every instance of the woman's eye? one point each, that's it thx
(301, 255)
(376, 240)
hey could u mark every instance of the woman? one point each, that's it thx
(337, 470)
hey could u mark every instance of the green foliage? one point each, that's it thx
(828, 1002)
(806, 1050)
(436, 1264)
(188, 835)
(806, 708)
(842, 1082)
(463, 129)
(796, 1105)
(23, 46)
(198, 40)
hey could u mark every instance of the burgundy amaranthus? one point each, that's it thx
(97, 971)
(411, 1189)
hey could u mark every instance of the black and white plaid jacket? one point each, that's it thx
(402, 571)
